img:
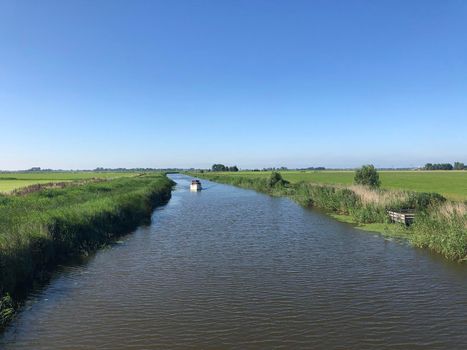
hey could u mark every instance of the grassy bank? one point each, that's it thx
(10, 181)
(450, 184)
(440, 225)
(42, 228)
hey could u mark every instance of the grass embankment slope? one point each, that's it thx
(42, 228)
(451, 184)
(440, 225)
(10, 181)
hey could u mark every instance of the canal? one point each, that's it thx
(231, 268)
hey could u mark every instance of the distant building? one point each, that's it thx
(35, 168)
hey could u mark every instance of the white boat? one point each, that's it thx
(195, 185)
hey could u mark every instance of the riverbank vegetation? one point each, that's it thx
(450, 184)
(42, 228)
(440, 225)
(367, 176)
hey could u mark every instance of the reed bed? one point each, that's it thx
(379, 197)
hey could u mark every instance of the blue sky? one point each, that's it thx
(253, 83)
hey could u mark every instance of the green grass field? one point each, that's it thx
(11, 181)
(451, 184)
(9, 185)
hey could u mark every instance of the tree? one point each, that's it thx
(459, 166)
(367, 176)
(276, 178)
(445, 166)
(428, 166)
(219, 167)
(222, 167)
(441, 166)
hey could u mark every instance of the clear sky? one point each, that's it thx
(253, 83)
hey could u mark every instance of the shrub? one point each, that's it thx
(423, 200)
(367, 176)
(276, 179)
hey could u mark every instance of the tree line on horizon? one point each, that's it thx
(222, 167)
(444, 166)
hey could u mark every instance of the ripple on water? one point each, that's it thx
(231, 268)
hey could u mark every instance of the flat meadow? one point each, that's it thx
(10, 181)
(451, 184)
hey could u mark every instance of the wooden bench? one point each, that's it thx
(405, 217)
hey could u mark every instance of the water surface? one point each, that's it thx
(231, 268)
